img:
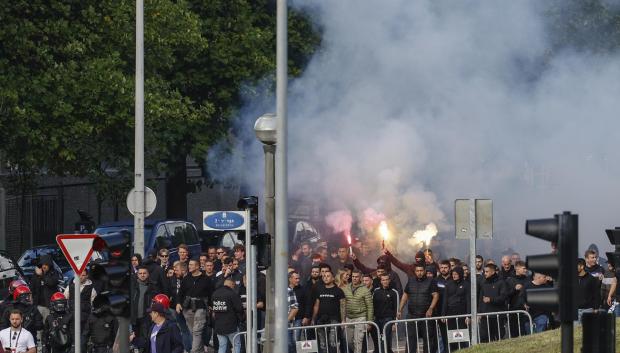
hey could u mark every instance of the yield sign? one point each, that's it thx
(77, 248)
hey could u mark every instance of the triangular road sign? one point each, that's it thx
(77, 248)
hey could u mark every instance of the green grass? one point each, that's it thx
(546, 342)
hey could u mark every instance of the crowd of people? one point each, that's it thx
(198, 302)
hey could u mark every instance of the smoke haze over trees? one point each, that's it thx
(409, 105)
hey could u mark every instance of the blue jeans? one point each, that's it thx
(540, 324)
(293, 336)
(617, 310)
(224, 339)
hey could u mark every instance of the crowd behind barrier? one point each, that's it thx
(339, 300)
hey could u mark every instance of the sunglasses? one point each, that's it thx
(164, 255)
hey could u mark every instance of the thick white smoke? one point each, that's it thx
(409, 105)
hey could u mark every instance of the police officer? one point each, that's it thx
(22, 301)
(227, 315)
(8, 300)
(101, 328)
(58, 328)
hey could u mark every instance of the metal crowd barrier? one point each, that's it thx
(450, 333)
(330, 338)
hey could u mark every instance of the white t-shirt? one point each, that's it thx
(19, 341)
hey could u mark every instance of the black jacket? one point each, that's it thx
(385, 303)
(588, 292)
(58, 332)
(302, 294)
(503, 274)
(168, 339)
(196, 289)
(456, 298)
(495, 289)
(44, 286)
(536, 311)
(151, 291)
(101, 329)
(516, 298)
(227, 310)
(32, 319)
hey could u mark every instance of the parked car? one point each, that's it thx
(159, 234)
(30, 259)
(9, 271)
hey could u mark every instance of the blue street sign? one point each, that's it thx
(223, 220)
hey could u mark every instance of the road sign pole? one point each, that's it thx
(77, 328)
(472, 266)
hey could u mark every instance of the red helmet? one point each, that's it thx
(58, 302)
(16, 283)
(163, 300)
(20, 290)
(57, 296)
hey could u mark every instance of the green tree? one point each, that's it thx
(67, 83)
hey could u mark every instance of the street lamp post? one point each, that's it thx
(265, 129)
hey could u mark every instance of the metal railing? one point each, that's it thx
(434, 334)
(333, 338)
(450, 333)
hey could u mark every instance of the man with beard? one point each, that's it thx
(30, 317)
(309, 289)
(329, 308)
(421, 294)
(516, 299)
(15, 338)
(143, 291)
(444, 277)
(492, 298)
(456, 301)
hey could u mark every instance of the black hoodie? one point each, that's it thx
(588, 292)
(456, 296)
(46, 284)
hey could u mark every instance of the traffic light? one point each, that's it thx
(250, 203)
(115, 270)
(263, 250)
(562, 266)
(614, 238)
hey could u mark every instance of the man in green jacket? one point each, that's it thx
(358, 309)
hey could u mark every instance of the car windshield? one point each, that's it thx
(28, 258)
(111, 229)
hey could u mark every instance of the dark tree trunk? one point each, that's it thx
(176, 190)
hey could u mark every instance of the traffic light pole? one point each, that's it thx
(250, 269)
(270, 227)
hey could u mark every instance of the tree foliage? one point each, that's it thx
(67, 80)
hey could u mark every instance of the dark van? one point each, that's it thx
(159, 234)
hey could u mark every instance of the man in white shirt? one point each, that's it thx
(16, 339)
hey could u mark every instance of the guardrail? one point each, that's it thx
(450, 333)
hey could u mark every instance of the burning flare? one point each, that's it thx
(384, 230)
(424, 236)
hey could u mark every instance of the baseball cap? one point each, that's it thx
(157, 307)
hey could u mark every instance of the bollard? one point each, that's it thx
(599, 332)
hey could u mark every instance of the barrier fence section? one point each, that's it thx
(435, 334)
(354, 337)
(450, 333)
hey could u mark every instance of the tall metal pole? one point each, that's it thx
(139, 201)
(250, 273)
(270, 226)
(76, 314)
(473, 278)
(139, 133)
(281, 235)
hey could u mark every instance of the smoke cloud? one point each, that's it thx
(409, 105)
